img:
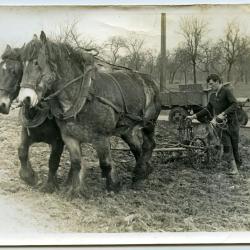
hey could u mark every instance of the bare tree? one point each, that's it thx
(134, 57)
(113, 47)
(211, 59)
(193, 29)
(68, 33)
(185, 66)
(205, 58)
(234, 45)
(175, 62)
(150, 62)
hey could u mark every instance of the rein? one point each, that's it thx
(64, 87)
(219, 127)
(79, 101)
(40, 115)
(82, 98)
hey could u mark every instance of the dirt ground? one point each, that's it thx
(177, 196)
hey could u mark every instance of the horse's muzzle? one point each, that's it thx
(28, 97)
(5, 105)
(26, 101)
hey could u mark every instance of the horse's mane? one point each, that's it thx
(60, 51)
(13, 54)
(31, 50)
(57, 51)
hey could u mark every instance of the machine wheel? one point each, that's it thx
(199, 157)
(176, 114)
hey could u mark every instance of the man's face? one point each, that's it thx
(214, 85)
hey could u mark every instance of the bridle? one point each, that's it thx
(11, 90)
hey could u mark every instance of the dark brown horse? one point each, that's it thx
(91, 106)
(11, 71)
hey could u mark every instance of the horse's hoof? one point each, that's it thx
(114, 187)
(142, 173)
(29, 177)
(103, 174)
(149, 169)
(49, 187)
(73, 193)
(137, 185)
(139, 176)
(67, 183)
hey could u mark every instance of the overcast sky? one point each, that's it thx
(18, 24)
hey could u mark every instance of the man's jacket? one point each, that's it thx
(224, 101)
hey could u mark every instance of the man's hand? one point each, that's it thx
(221, 115)
(214, 122)
(191, 117)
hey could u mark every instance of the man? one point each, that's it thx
(222, 104)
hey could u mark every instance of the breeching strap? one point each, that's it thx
(120, 89)
(129, 115)
(82, 97)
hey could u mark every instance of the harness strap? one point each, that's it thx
(41, 114)
(30, 86)
(106, 101)
(82, 98)
(79, 102)
(65, 86)
(7, 90)
(127, 75)
(146, 89)
(121, 91)
(117, 109)
(11, 90)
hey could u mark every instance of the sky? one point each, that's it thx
(18, 24)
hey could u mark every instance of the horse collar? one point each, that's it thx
(80, 99)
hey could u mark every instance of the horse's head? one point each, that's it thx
(11, 70)
(47, 63)
(38, 72)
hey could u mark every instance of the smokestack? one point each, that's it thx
(163, 53)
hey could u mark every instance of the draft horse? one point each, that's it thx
(90, 106)
(33, 129)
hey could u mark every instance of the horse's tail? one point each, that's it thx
(153, 105)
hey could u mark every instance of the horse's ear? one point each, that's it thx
(35, 37)
(43, 37)
(22, 49)
(8, 48)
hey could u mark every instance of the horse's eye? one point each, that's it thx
(35, 62)
(11, 70)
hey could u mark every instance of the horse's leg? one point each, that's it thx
(54, 160)
(132, 138)
(143, 168)
(102, 146)
(74, 149)
(26, 172)
(69, 178)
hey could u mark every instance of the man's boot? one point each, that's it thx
(233, 168)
